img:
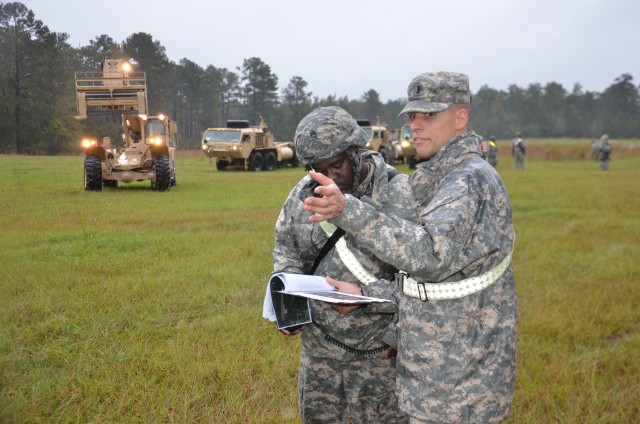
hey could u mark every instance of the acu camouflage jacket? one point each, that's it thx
(457, 357)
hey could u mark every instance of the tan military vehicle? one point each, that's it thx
(380, 139)
(241, 146)
(406, 144)
(149, 142)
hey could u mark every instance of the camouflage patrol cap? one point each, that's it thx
(326, 132)
(436, 91)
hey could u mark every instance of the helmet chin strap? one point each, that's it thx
(356, 165)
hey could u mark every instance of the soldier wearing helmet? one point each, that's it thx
(329, 137)
(604, 152)
(347, 364)
(518, 151)
(492, 152)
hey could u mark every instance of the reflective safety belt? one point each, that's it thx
(347, 257)
(453, 290)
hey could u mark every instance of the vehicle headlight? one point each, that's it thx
(204, 146)
(155, 140)
(89, 142)
(406, 144)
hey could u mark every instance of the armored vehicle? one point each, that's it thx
(242, 146)
(380, 139)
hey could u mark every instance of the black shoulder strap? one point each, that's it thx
(391, 174)
(339, 232)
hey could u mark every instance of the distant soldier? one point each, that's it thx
(492, 152)
(604, 155)
(518, 150)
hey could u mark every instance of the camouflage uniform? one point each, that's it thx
(456, 358)
(518, 150)
(604, 152)
(334, 380)
(492, 153)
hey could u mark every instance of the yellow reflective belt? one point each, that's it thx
(455, 290)
(347, 257)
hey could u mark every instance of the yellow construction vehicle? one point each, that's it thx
(149, 141)
(241, 146)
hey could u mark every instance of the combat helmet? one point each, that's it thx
(325, 133)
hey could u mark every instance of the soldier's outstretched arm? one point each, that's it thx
(330, 205)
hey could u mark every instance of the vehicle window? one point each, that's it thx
(154, 127)
(219, 136)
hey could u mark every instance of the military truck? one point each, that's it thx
(405, 139)
(380, 139)
(149, 142)
(244, 147)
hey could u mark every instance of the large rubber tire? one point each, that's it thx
(256, 161)
(295, 162)
(412, 162)
(92, 173)
(163, 173)
(270, 161)
(221, 165)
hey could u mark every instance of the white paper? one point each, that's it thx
(312, 287)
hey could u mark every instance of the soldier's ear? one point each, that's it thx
(462, 118)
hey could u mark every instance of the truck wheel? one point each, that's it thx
(256, 162)
(92, 173)
(270, 161)
(412, 162)
(295, 162)
(163, 173)
(221, 165)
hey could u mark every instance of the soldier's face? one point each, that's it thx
(432, 130)
(339, 170)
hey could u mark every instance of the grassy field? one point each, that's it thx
(129, 305)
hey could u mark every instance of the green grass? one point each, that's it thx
(135, 306)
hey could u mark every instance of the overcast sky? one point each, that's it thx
(347, 47)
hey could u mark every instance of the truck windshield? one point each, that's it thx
(406, 133)
(154, 127)
(368, 132)
(218, 136)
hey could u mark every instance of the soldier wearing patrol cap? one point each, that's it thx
(457, 302)
(347, 365)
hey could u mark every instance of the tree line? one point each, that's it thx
(37, 95)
